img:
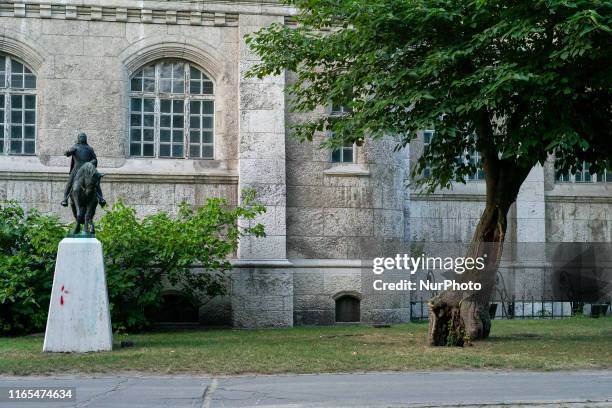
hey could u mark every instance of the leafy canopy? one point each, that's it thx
(530, 78)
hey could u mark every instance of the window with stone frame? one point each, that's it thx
(344, 154)
(17, 107)
(171, 112)
(584, 176)
(339, 109)
(427, 135)
(474, 158)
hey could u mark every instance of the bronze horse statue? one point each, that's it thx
(83, 197)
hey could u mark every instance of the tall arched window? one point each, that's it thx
(171, 112)
(17, 107)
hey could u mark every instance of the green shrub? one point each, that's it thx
(141, 256)
(28, 245)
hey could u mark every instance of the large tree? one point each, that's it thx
(518, 81)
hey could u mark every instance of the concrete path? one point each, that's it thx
(411, 389)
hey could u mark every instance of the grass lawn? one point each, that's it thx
(530, 344)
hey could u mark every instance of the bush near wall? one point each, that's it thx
(140, 256)
(28, 245)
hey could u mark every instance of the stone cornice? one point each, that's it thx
(328, 263)
(228, 178)
(448, 197)
(261, 263)
(556, 198)
(30, 168)
(586, 199)
(199, 13)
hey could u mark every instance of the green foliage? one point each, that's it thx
(28, 245)
(144, 254)
(530, 78)
(141, 256)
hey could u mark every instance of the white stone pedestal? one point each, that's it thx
(79, 318)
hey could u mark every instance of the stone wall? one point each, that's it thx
(545, 211)
(578, 212)
(340, 215)
(339, 210)
(83, 58)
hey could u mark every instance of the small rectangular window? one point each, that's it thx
(201, 125)
(427, 136)
(142, 126)
(22, 124)
(344, 154)
(583, 176)
(564, 178)
(476, 161)
(604, 176)
(171, 128)
(338, 109)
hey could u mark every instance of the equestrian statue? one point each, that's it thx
(83, 186)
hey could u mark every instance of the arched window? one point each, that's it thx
(348, 309)
(171, 112)
(17, 107)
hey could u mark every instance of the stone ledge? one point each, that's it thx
(327, 263)
(301, 263)
(124, 177)
(477, 197)
(30, 168)
(596, 193)
(591, 199)
(261, 263)
(470, 188)
(353, 170)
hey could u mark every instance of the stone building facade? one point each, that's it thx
(160, 88)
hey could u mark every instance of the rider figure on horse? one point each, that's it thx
(81, 153)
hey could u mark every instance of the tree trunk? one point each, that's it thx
(456, 316)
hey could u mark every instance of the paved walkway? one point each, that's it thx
(410, 389)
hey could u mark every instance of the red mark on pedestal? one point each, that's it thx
(62, 296)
